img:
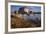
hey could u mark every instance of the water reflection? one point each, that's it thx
(27, 17)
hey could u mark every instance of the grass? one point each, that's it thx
(18, 22)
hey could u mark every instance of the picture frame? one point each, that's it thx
(20, 30)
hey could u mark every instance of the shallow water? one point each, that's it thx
(33, 17)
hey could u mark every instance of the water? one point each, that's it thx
(32, 17)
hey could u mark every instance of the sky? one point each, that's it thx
(34, 8)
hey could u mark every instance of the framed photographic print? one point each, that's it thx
(25, 16)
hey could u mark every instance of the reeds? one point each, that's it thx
(18, 22)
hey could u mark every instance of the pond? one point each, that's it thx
(30, 16)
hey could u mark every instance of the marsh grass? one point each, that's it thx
(18, 22)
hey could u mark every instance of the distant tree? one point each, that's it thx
(30, 12)
(21, 10)
(25, 12)
(12, 16)
(37, 12)
(15, 11)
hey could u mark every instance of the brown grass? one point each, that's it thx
(18, 22)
